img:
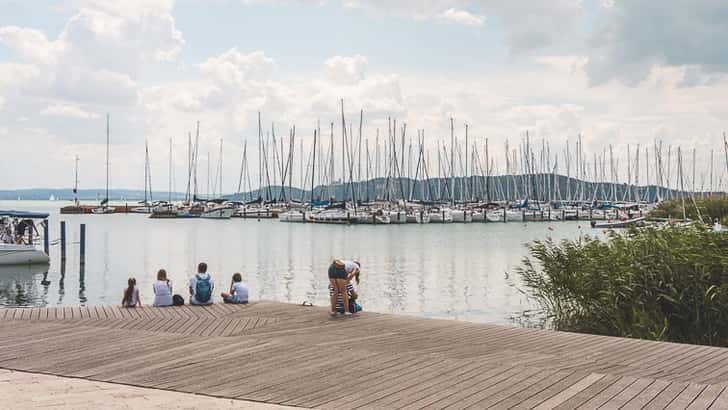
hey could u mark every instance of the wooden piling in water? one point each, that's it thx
(83, 245)
(46, 244)
(63, 240)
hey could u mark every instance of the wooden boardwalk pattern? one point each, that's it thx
(299, 356)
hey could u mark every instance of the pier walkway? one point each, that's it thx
(298, 356)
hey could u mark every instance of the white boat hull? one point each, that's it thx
(441, 217)
(103, 210)
(461, 216)
(21, 255)
(397, 217)
(218, 213)
(292, 216)
(419, 217)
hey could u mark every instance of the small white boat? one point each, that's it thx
(103, 210)
(141, 210)
(478, 215)
(619, 223)
(462, 216)
(331, 216)
(397, 217)
(440, 216)
(11, 254)
(371, 218)
(418, 217)
(164, 210)
(218, 212)
(292, 216)
(255, 212)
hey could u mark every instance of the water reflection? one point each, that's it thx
(22, 285)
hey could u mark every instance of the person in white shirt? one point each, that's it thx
(238, 291)
(201, 286)
(162, 290)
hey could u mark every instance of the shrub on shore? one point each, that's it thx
(710, 209)
(660, 284)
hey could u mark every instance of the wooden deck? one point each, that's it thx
(299, 356)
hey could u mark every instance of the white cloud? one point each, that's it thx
(30, 44)
(235, 68)
(346, 70)
(68, 111)
(462, 17)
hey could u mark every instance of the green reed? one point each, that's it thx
(663, 284)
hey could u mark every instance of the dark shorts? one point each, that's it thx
(336, 273)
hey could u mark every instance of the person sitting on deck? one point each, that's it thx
(340, 272)
(162, 290)
(238, 291)
(131, 295)
(201, 286)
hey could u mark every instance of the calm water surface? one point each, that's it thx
(459, 271)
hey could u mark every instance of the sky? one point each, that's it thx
(618, 73)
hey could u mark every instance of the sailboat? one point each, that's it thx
(146, 207)
(104, 206)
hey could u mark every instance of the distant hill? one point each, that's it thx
(494, 188)
(83, 194)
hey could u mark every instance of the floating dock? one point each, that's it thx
(299, 356)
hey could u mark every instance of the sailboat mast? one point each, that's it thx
(107, 158)
(169, 188)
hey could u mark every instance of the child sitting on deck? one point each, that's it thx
(131, 295)
(238, 291)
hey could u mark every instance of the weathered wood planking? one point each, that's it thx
(294, 355)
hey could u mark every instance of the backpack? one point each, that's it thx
(203, 289)
(178, 300)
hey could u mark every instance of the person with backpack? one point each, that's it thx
(201, 286)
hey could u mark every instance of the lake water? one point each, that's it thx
(459, 271)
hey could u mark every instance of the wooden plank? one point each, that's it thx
(647, 395)
(605, 395)
(666, 396)
(707, 397)
(632, 391)
(721, 402)
(686, 397)
(570, 392)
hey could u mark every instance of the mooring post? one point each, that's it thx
(83, 244)
(504, 215)
(46, 244)
(63, 240)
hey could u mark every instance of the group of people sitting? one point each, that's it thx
(342, 290)
(201, 287)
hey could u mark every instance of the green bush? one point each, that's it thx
(661, 284)
(710, 208)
